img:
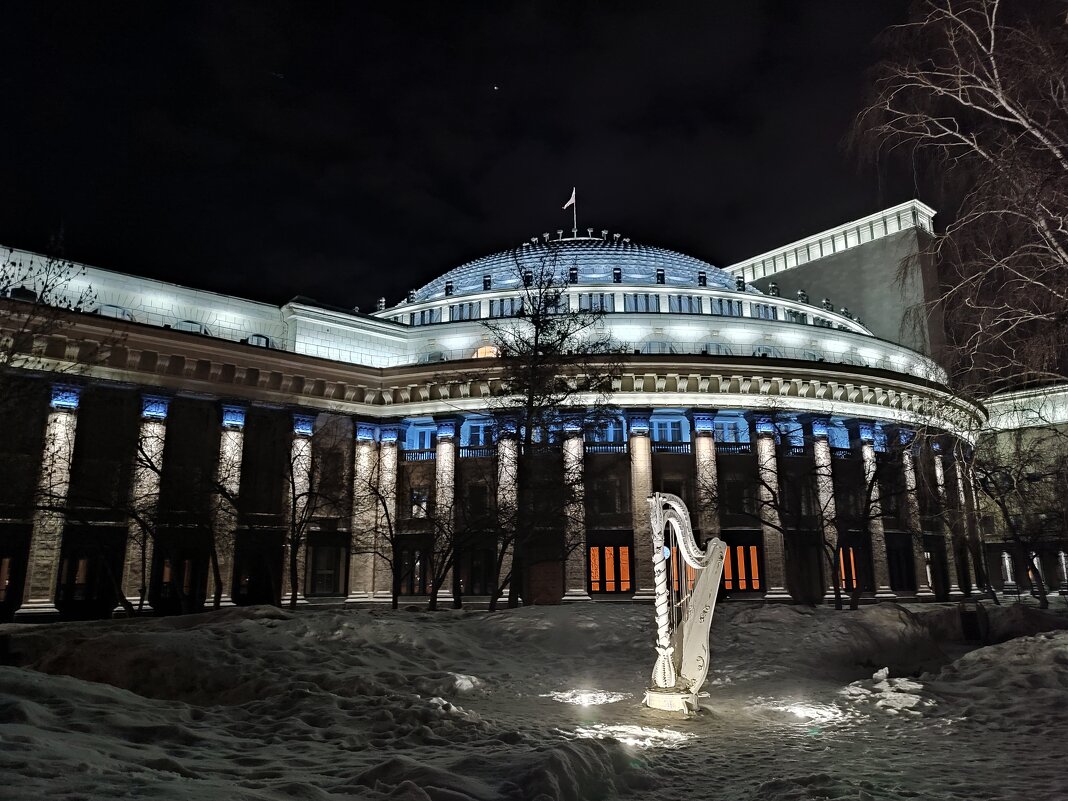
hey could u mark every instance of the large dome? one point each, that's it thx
(594, 257)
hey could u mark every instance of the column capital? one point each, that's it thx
(303, 424)
(65, 397)
(447, 428)
(819, 427)
(388, 434)
(154, 407)
(703, 422)
(765, 426)
(638, 422)
(365, 432)
(233, 417)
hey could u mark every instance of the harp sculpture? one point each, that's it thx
(686, 578)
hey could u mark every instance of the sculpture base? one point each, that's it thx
(671, 700)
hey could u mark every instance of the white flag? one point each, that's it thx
(572, 201)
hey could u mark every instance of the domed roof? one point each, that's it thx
(594, 257)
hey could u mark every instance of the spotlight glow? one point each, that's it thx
(636, 736)
(586, 697)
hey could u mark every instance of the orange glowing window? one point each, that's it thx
(754, 570)
(609, 569)
(595, 569)
(486, 352)
(624, 569)
(728, 578)
(740, 554)
(847, 579)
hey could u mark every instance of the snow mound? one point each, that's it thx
(1022, 683)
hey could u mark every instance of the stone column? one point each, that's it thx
(947, 530)
(575, 512)
(965, 518)
(298, 492)
(1062, 561)
(708, 500)
(1008, 570)
(224, 501)
(876, 528)
(821, 453)
(386, 514)
(365, 509)
(46, 535)
(770, 523)
(144, 500)
(914, 520)
(507, 501)
(641, 488)
(444, 528)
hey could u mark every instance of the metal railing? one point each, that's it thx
(671, 447)
(477, 451)
(606, 447)
(427, 455)
(734, 447)
(842, 453)
(793, 450)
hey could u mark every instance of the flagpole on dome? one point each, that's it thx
(573, 203)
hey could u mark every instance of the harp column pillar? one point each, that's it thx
(913, 519)
(770, 522)
(965, 519)
(46, 534)
(705, 471)
(641, 487)
(574, 516)
(144, 500)
(821, 453)
(876, 527)
(223, 509)
(947, 530)
(366, 508)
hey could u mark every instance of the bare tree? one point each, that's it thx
(977, 90)
(557, 368)
(1022, 475)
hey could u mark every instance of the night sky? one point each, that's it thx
(346, 151)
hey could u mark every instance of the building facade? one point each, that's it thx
(178, 447)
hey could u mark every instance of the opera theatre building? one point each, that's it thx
(173, 448)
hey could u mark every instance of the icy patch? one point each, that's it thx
(637, 736)
(586, 697)
(805, 712)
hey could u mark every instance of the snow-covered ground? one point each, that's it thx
(539, 703)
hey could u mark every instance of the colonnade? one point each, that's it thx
(375, 464)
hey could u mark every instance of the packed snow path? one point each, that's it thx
(539, 703)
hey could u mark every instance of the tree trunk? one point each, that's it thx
(395, 577)
(1038, 583)
(216, 575)
(142, 591)
(513, 584)
(294, 579)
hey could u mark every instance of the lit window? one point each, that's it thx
(487, 352)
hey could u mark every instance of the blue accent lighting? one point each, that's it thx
(66, 398)
(819, 428)
(233, 417)
(154, 407)
(303, 425)
(764, 425)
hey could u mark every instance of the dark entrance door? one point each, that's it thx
(90, 571)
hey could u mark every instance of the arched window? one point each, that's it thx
(658, 346)
(767, 351)
(487, 352)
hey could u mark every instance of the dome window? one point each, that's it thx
(660, 276)
(572, 275)
(773, 289)
(411, 296)
(802, 296)
(487, 283)
(448, 288)
(617, 275)
(528, 278)
(702, 278)
(739, 284)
